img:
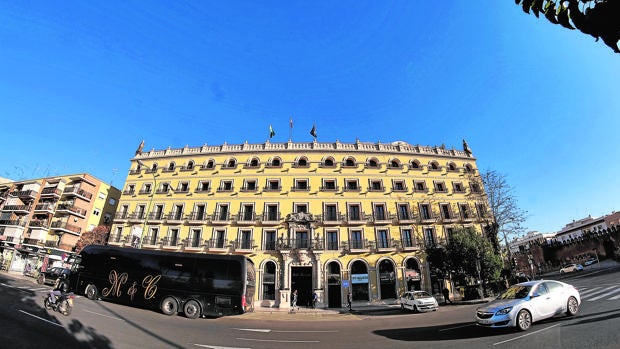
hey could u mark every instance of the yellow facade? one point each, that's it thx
(330, 218)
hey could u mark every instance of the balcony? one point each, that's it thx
(45, 208)
(329, 188)
(17, 209)
(269, 218)
(357, 246)
(220, 218)
(299, 244)
(25, 194)
(53, 192)
(28, 241)
(136, 217)
(129, 192)
(13, 222)
(356, 219)
(66, 228)
(245, 218)
(382, 219)
(217, 244)
(271, 188)
(151, 240)
(300, 188)
(243, 245)
(175, 217)
(39, 223)
(331, 219)
(411, 244)
(120, 216)
(70, 209)
(197, 218)
(80, 193)
(155, 217)
(171, 241)
(405, 217)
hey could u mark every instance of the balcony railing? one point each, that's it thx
(197, 217)
(13, 222)
(25, 193)
(360, 218)
(17, 208)
(45, 207)
(269, 217)
(175, 217)
(71, 209)
(79, 192)
(243, 244)
(308, 243)
(331, 219)
(220, 217)
(59, 225)
(39, 223)
(51, 191)
(245, 218)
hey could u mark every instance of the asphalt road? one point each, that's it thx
(96, 324)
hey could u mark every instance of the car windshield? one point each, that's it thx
(420, 295)
(515, 292)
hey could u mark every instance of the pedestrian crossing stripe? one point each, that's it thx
(598, 293)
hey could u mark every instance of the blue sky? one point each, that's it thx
(82, 83)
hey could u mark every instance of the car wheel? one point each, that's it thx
(524, 320)
(572, 307)
(91, 292)
(169, 306)
(41, 279)
(191, 309)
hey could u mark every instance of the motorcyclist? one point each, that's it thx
(61, 286)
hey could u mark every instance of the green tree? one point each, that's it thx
(471, 255)
(97, 236)
(599, 18)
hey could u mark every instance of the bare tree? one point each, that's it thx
(506, 217)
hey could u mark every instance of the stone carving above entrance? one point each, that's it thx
(299, 217)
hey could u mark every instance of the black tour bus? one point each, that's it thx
(195, 284)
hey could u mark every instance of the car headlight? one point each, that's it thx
(503, 311)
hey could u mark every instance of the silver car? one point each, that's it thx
(525, 303)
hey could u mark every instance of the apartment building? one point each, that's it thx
(42, 219)
(331, 218)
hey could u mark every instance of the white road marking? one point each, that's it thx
(104, 315)
(454, 328)
(253, 330)
(615, 297)
(275, 340)
(592, 290)
(266, 330)
(217, 346)
(614, 290)
(525, 335)
(40, 318)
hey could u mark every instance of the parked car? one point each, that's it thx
(418, 301)
(569, 268)
(51, 275)
(590, 261)
(525, 303)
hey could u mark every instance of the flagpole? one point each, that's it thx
(290, 133)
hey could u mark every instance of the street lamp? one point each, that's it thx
(148, 209)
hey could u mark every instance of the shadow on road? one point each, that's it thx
(24, 327)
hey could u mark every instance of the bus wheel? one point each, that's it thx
(169, 306)
(91, 292)
(191, 309)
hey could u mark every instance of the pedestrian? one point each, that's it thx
(349, 300)
(294, 300)
(315, 298)
(446, 296)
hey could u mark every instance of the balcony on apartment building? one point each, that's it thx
(331, 218)
(269, 218)
(199, 217)
(245, 218)
(221, 218)
(78, 192)
(405, 217)
(66, 227)
(13, 222)
(359, 218)
(299, 244)
(71, 209)
(46, 207)
(17, 209)
(51, 192)
(25, 194)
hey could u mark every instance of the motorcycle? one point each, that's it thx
(63, 304)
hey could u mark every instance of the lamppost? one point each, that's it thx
(148, 209)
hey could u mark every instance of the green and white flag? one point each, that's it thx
(271, 132)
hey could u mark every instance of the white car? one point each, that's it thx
(590, 261)
(418, 301)
(525, 303)
(569, 268)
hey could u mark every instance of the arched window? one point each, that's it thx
(231, 163)
(451, 166)
(394, 163)
(349, 162)
(171, 166)
(387, 279)
(269, 281)
(468, 168)
(372, 163)
(359, 281)
(302, 162)
(275, 162)
(190, 165)
(434, 166)
(154, 168)
(210, 164)
(414, 164)
(254, 162)
(329, 162)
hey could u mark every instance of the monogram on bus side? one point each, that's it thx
(194, 284)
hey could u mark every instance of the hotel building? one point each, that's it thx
(330, 218)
